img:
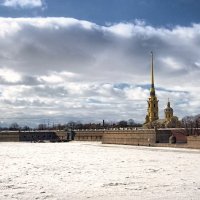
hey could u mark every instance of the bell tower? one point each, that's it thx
(152, 111)
(168, 112)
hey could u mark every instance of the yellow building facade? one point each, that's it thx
(168, 112)
(152, 118)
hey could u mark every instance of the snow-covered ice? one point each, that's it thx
(91, 170)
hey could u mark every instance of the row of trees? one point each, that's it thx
(75, 125)
(79, 125)
(190, 124)
(15, 127)
(122, 124)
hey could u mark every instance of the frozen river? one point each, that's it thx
(91, 170)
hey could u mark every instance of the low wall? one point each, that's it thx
(89, 135)
(193, 142)
(179, 145)
(146, 137)
(162, 136)
(124, 136)
(9, 136)
(62, 135)
(130, 137)
(27, 136)
(38, 135)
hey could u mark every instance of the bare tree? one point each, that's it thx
(14, 127)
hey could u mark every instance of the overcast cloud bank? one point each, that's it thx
(67, 68)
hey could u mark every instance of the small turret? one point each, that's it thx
(168, 112)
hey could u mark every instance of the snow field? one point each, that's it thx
(91, 170)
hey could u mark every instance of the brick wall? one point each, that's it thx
(38, 135)
(89, 135)
(144, 137)
(193, 142)
(129, 137)
(9, 136)
(16, 136)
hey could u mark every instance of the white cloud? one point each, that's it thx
(23, 3)
(171, 63)
(9, 75)
(80, 70)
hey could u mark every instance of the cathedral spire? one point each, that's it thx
(152, 72)
(168, 103)
(152, 90)
(152, 111)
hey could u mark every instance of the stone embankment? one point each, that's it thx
(123, 136)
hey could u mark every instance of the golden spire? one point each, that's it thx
(168, 103)
(152, 111)
(152, 90)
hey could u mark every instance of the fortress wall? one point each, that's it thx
(124, 136)
(117, 136)
(62, 135)
(89, 135)
(9, 136)
(162, 136)
(193, 142)
(15, 136)
(145, 137)
(38, 135)
(171, 145)
(132, 136)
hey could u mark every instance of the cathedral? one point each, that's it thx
(152, 119)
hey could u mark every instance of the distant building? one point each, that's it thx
(152, 119)
(168, 112)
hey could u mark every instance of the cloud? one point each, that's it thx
(9, 75)
(79, 70)
(23, 3)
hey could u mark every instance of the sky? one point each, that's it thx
(90, 60)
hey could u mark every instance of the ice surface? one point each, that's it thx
(91, 170)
